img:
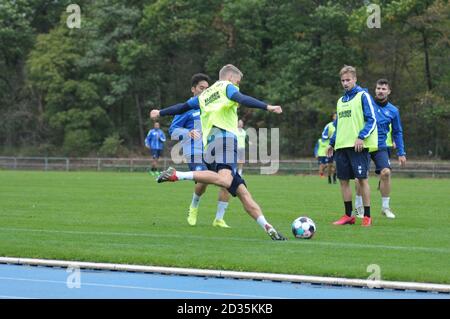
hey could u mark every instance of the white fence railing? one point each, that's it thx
(299, 166)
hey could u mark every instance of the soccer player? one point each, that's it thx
(188, 126)
(356, 132)
(218, 105)
(242, 134)
(388, 116)
(327, 133)
(155, 142)
(320, 151)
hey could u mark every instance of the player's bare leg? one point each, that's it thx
(200, 188)
(359, 207)
(321, 169)
(250, 206)
(385, 190)
(224, 178)
(331, 173)
(154, 166)
(206, 177)
(346, 191)
(365, 193)
(253, 209)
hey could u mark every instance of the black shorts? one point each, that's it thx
(351, 164)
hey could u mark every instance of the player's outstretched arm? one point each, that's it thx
(251, 102)
(171, 110)
(248, 101)
(275, 109)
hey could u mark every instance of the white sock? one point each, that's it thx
(358, 201)
(185, 175)
(195, 200)
(221, 207)
(263, 222)
(385, 202)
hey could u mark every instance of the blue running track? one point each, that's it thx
(49, 282)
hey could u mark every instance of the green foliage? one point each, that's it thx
(19, 122)
(94, 121)
(16, 35)
(432, 114)
(112, 146)
(77, 143)
(129, 57)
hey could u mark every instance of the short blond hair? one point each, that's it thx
(348, 69)
(227, 69)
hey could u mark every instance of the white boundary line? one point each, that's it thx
(231, 274)
(196, 292)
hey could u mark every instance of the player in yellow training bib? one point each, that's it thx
(218, 106)
(356, 132)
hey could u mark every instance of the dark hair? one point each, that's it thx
(197, 78)
(383, 82)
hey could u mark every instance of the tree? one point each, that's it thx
(99, 82)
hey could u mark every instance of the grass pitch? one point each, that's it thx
(129, 218)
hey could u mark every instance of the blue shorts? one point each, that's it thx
(323, 160)
(156, 153)
(381, 160)
(351, 164)
(197, 167)
(221, 151)
(195, 162)
(389, 150)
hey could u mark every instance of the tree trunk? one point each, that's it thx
(427, 60)
(394, 71)
(140, 119)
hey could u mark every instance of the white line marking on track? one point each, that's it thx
(418, 286)
(15, 297)
(142, 288)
